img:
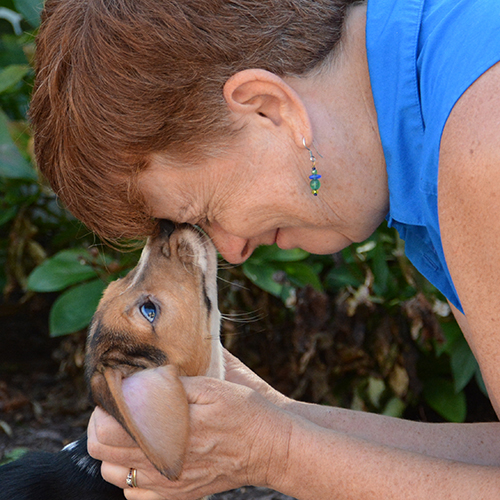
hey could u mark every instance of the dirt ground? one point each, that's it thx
(43, 397)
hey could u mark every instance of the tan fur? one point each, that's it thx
(176, 273)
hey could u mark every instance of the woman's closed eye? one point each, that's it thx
(202, 222)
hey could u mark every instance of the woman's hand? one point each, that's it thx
(239, 373)
(237, 437)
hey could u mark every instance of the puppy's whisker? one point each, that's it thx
(251, 317)
(223, 264)
(236, 284)
(186, 268)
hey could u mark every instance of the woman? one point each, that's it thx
(217, 113)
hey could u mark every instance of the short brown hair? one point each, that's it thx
(118, 80)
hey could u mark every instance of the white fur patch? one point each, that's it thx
(206, 259)
(84, 462)
(140, 265)
(70, 446)
(87, 464)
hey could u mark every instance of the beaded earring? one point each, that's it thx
(315, 184)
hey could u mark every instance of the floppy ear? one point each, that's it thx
(154, 409)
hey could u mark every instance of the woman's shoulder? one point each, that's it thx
(469, 216)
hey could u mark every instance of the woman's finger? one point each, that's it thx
(125, 455)
(117, 475)
(137, 494)
(108, 431)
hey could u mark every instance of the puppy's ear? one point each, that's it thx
(154, 409)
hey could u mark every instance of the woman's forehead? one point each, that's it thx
(171, 192)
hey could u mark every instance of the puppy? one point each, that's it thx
(162, 314)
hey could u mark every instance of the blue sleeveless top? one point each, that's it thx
(422, 56)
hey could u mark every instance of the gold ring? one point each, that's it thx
(132, 478)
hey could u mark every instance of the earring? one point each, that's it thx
(315, 177)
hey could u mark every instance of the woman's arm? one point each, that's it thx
(324, 464)
(472, 443)
(332, 465)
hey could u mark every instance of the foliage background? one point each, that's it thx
(360, 328)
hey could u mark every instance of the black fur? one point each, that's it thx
(70, 474)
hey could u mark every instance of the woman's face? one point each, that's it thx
(260, 195)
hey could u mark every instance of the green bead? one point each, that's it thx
(315, 184)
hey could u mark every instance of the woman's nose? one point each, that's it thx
(233, 248)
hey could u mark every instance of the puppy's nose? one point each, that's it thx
(167, 227)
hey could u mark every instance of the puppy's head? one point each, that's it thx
(162, 314)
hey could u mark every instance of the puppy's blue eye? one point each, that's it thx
(148, 310)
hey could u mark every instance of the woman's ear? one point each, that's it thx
(261, 95)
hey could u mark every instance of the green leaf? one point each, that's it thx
(30, 9)
(262, 275)
(12, 163)
(463, 363)
(375, 389)
(276, 254)
(440, 395)
(342, 277)
(7, 214)
(266, 261)
(11, 75)
(395, 407)
(302, 274)
(13, 18)
(60, 271)
(73, 309)
(480, 382)
(14, 454)
(380, 269)
(11, 51)
(452, 334)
